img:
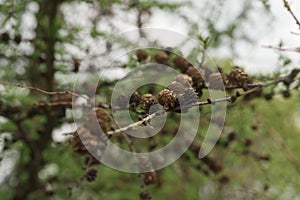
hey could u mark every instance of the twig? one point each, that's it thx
(287, 79)
(211, 101)
(287, 6)
(205, 41)
(44, 91)
(129, 142)
(250, 85)
(160, 112)
(54, 104)
(202, 103)
(294, 33)
(297, 49)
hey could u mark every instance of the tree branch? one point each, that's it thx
(297, 49)
(286, 79)
(44, 91)
(287, 6)
(131, 126)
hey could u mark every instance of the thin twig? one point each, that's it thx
(297, 49)
(294, 33)
(129, 142)
(287, 6)
(55, 104)
(234, 86)
(203, 51)
(131, 126)
(213, 101)
(44, 91)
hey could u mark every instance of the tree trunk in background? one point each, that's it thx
(41, 74)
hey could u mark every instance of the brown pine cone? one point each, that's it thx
(238, 77)
(91, 174)
(217, 81)
(147, 100)
(181, 63)
(167, 99)
(135, 99)
(161, 57)
(150, 178)
(184, 80)
(145, 195)
(207, 72)
(141, 54)
(187, 98)
(198, 77)
(176, 87)
(95, 117)
(87, 143)
(76, 142)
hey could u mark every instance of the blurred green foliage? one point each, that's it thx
(255, 165)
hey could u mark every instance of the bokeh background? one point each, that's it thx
(43, 44)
